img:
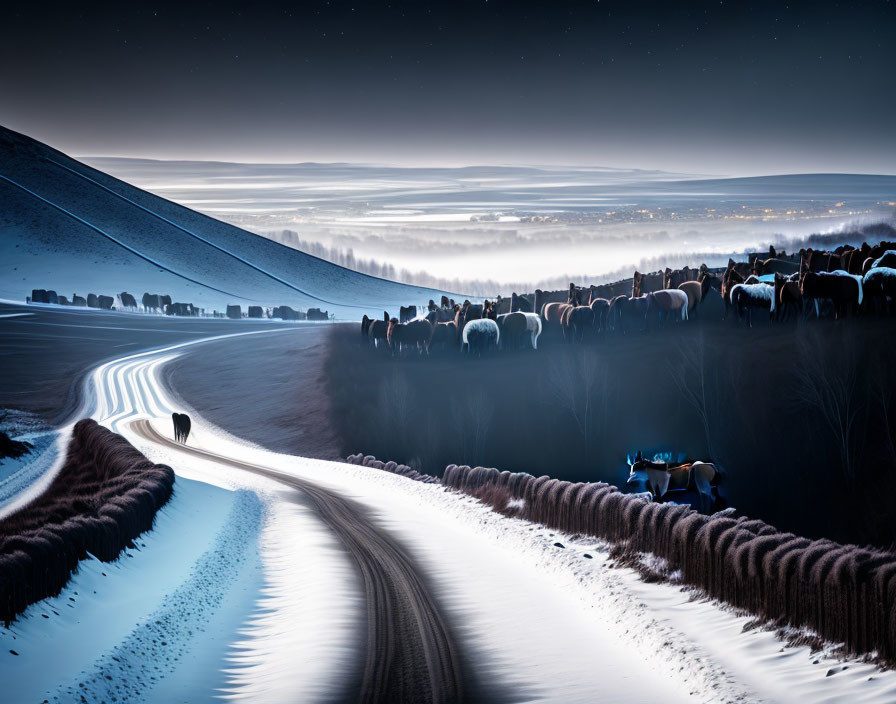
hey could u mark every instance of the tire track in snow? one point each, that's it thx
(410, 653)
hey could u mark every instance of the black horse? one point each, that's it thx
(181, 426)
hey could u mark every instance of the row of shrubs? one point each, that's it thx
(106, 494)
(393, 467)
(844, 593)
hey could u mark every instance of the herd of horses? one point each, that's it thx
(162, 303)
(846, 281)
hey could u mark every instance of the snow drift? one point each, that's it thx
(106, 494)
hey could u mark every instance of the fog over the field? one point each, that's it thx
(512, 225)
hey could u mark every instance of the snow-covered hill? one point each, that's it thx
(68, 227)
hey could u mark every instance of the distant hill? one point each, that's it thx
(72, 228)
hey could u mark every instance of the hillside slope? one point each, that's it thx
(69, 227)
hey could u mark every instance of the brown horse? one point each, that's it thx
(601, 309)
(576, 320)
(553, 313)
(844, 292)
(696, 291)
(444, 337)
(774, 266)
(730, 279)
(467, 312)
(414, 335)
(378, 330)
(788, 298)
(817, 261)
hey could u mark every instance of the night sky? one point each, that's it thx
(720, 87)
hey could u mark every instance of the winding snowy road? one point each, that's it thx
(410, 654)
(278, 578)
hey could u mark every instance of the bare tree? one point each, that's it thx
(473, 414)
(881, 381)
(396, 413)
(826, 384)
(697, 382)
(579, 381)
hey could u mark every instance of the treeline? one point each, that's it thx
(487, 288)
(106, 494)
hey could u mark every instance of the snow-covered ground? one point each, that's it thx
(68, 227)
(240, 592)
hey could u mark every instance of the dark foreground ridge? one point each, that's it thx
(410, 653)
(106, 494)
(844, 593)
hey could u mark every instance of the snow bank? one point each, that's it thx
(67, 639)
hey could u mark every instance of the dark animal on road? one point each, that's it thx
(128, 301)
(39, 295)
(164, 300)
(256, 312)
(234, 312)
(79, 300)
(317, 314)
(444, 336)
(105, 302)
(92, 301)
(63, 301)
(365, 326)
(406, 314)
(181, 426)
